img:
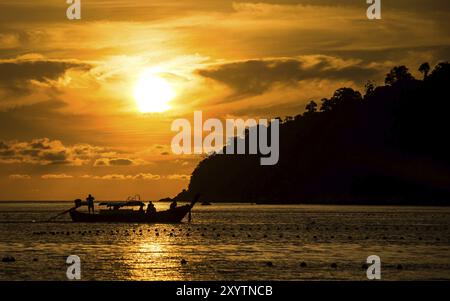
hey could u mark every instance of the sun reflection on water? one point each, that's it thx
(153, 259)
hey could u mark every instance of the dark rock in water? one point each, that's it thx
(183, 261)
(269, 264)
(8, 259)
(334, 265)
(35, 259)
(399, 267)
(365, 266)
(303, 264)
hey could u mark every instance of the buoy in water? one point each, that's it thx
(8, 259)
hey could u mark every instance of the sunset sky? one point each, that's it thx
(70, 123)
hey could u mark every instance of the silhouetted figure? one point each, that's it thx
(173, 205)
(90, 201)
(150, 208)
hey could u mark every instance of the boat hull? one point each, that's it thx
(175, 215)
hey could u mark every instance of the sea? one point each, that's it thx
(230, 242)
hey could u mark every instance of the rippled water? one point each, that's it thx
(230, 242)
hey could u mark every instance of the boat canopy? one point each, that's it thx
(122, 204)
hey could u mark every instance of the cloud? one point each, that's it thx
(178, 177)
(20, 177)
(253, 77)
(56, 176)
(140, 176)
(146, 176)
(43, 151)
(117, 162)
(18, 75)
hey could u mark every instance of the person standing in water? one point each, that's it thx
(90, 201)
(150, 208)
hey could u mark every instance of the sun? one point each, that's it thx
(153, 93)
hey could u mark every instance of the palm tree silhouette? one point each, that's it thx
(424, 69)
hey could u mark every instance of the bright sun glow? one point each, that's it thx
(153, 93)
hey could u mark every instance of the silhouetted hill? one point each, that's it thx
(389, 146)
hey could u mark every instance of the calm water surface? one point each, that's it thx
(230, 242)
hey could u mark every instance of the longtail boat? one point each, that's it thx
(114, 213)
